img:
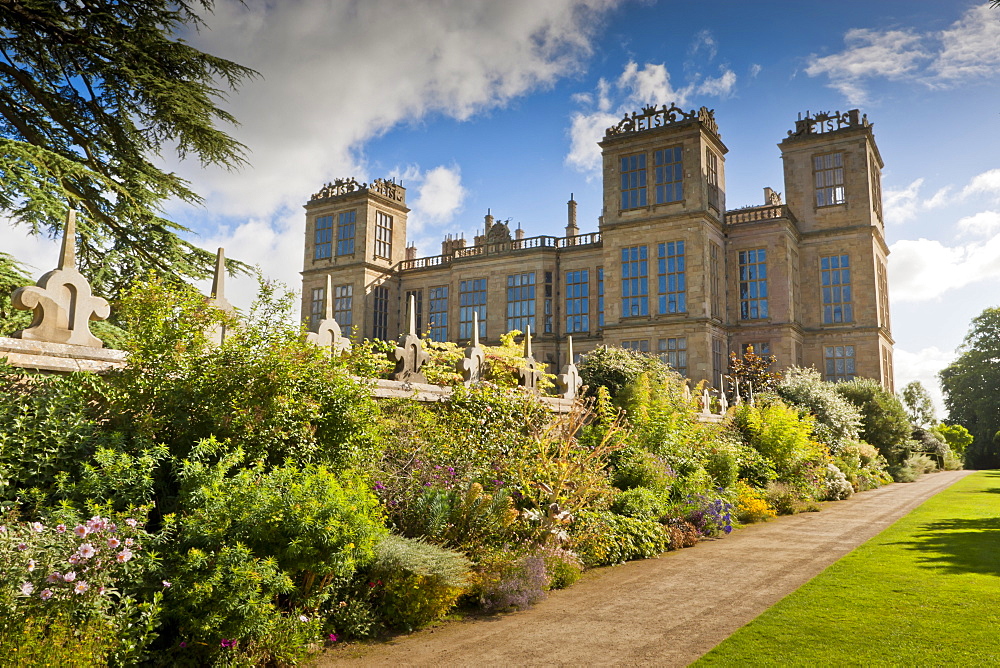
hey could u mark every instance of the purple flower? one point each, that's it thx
(54, 577)
(131, 522)
(22, 546)
(379, 485)
(166, 584)
(45, 595)
(227, 643)
(183, 644)
(332, 637)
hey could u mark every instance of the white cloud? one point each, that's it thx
(923, 366)
(868, 53)
(904, 205)
(969, 47)
(637, 87)
(986, 183)
(37, 253)
(966, 51)
(755, 69)
(441, 194)
(982, 224)
(925, 269)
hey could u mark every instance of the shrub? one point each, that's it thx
(783, 498)
(414, 582)
(613, 368)
(641, 503)
(778, 433)
(911, 469)
(884, 422)
(562, 566)
(709, 514)
(509, 579)
(751, 506)
(602, 538)
(637, 468)
(837, 419)
(837, 486)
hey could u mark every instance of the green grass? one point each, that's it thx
(924, 592)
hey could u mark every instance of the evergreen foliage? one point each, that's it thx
(884, 423)
(90, 94)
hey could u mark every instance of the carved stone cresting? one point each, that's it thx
(529, 375)
(409, 356)
(219, 333)
(826, 121)
(387, 188)
(569, 380)
(471, 366)
(328, 333)
(652, 117)
(62, 300)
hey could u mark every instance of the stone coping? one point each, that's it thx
(401, 389)
(59, 357)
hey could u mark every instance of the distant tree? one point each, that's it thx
(956, 436)
(971, 387)
(919, 405)
(883, 419)
(12, 277)
(91, 92)
(752, 372)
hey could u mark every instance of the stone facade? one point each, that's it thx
(670, 271)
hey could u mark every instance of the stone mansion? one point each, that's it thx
(669, 271)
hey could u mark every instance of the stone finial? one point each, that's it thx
(687, 392)
(706, 402)
(328, 333)
(218, 334)
(62, 300)
(409, 356)
(529, 375)
(569, 380)
(723, 403)
(471, 366)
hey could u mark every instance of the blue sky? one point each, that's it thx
(478, 104)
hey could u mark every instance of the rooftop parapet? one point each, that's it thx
(826, 121)
(652, 118)
(387, 188)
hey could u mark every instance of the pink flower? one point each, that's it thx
(124, 556)
(37, 527)
(303, 618)
(129, 542)
(27, 588)
(80, 587)
(22, 546)
(166, 585)
(131, 522)
(95, 523)
(45, 595)
(54, 577)
(3, 528)
(61, 528)
(332, 637)
(81, 530)
(69, 577)
(74, 558)
(113, 543)
(86, 551)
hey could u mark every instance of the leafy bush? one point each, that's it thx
(783, 498)
(911, 469)
(415, 583)
(884, 422)
(837, 419)
(709, 514)
(641, 503)
(837, 486)
(614, 368)
(602, 538)
(637, 468)
(778, 433)
(562, 566)
(509, 579)
(751, 506)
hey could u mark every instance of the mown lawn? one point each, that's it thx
(924, 592)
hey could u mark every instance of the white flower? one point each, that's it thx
(37, 527)
(86, 551)
(27, 588)
(303, 618)
(69, 577)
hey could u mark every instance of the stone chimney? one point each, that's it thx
(489, 222)
(518, 233)
(451, 244)
(571, 227)
(411, 252)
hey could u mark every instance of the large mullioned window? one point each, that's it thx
(437, 315)
(324, 237)
(316, 307)
(835, 281)
(753, 284)
(635, 281)
(383, 235)
(600, 297)
(577, 301)
(633, 173)
(471, 299)
(521, 302)
(380, 312)
(670, 263)
(828, 171)
(673, 351)
(418, 309)
(839, 363)
(345, 233)
(343, 301)
(668, 175)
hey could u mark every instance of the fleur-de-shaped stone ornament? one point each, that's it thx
(409, 356)
(528, 375)
(217, 335)
(328, 333)
(569, 380)
(471, 366)
(62, 300)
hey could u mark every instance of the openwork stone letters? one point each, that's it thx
(652, 117)
(410, 356)
(62, 300)
(328, 333)
(340, 187)
(826, 121)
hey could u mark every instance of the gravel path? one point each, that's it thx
(664, 612)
